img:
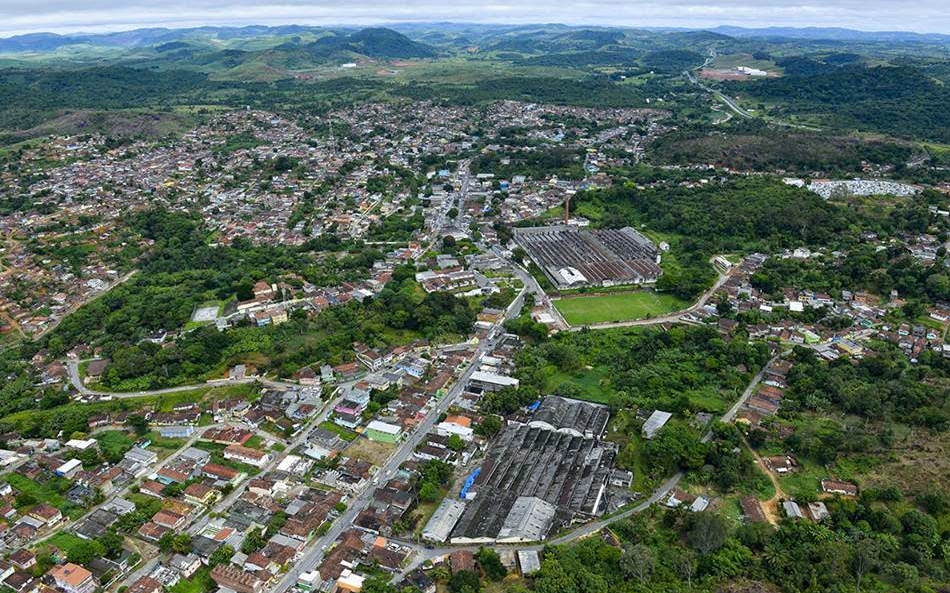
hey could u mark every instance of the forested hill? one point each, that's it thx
(898, 100)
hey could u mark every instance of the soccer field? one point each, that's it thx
(622, 306)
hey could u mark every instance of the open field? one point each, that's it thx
(617, 307)
(371, 451)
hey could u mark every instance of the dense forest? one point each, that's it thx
(742, 215)
(896, 100)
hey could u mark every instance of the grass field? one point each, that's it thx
(617, 307)
(343, 433)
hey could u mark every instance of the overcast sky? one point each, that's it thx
(64, 16)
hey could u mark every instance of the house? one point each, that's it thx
(169, 519)
(200, 494)
(792, 510)
(23, 559)
(96, 368)
(69, 469)
(46, 514)
(151, 531)
(781, 464)
(307, 376)
(839, 487)
(655, 423)
(145, 584)
(222, 473)
(243, 454)
(383, 432)
(231, 577)
(187, 566)
(73, 578)
(751, 509)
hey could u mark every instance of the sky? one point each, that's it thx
(69, 16)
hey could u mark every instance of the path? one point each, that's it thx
(428, 553)
(770, 506)
(674, 317)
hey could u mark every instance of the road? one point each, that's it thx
(731, 104)
(314, 554)
(73, 368)
(232, 497)
(588, 529)
(675, 317)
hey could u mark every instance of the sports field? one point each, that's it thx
(622, 306)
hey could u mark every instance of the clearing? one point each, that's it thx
(371, 451)
(624, 306)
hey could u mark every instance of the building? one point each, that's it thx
(443, 520)
(383, 432)
(529, 520)
(246, 455)
(572, 257)
(655, 422)
(73, 578)
(491, 381)
(69, 469)
(231, 577)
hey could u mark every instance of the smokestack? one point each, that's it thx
(567, 209)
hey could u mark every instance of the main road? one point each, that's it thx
(314, 554)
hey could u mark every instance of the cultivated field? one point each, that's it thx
(622, 306)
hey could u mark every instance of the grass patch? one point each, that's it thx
(51, 492)
(593, 383)
(625, 306)
(255, 442)
(343, 433)
(200, 582)
(67, 542)
(114, 443)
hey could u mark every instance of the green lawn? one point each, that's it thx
(200, 582)
(114, 443)
(51, 492)
(617, 307)
(593, 383)
(345, 434)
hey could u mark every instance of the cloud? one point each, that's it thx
(22, 16)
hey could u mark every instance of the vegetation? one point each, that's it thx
(587, 310)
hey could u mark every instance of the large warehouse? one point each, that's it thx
(540, 475)
(572, 257)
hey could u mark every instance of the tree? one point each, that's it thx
(455, 443)
(491, 564)
(111, 543)
(489, 426)
(220, 556)
(637, 562)
(181, 544)
(465, 581)
(253, 541)
(138, 423)
(708, 533)
(429, 492)
(453, 212)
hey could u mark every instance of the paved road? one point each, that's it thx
(675, 317)
(588, 529)
(73, 368)
(315, 551)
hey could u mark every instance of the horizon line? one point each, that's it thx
(94, 30)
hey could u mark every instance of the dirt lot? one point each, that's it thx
(371, 451)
